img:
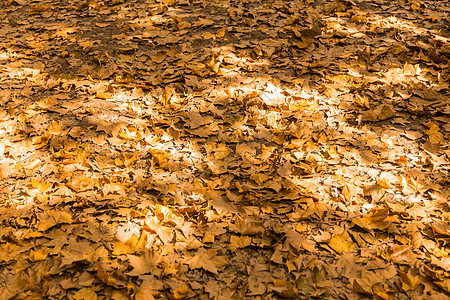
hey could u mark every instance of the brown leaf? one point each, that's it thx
(379, 113)
(299, 241)
(52, 218)
(409, 281)
(180, 292)
(207, 259)
(221, 32)
(247, 226)
(342, 242)
(284, 289)
(237, 242)
(376, 192)
(85, 294)
(158, 57)
(144, 263)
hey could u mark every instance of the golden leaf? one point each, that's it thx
(47, 221)
(237, 242)
(221, 32)
(41, 186)
(259, 178)
(180, 292)
(38, 255)
(342, 242)
(409, 282)
(85, 294)
(54, 128)
(380, 113)
(207, 260)
(46, 103)
(41, 141)
(159, 57)
(133, 244)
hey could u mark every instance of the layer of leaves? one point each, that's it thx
(250, 149)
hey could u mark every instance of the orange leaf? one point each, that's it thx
(41, 186)
(221, 32)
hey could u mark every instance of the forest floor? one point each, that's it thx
(181, 149)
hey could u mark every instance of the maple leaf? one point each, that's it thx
(85, 294)
(284, 288)
(409, 281)
(180, 292)
(237, 242)
(341, 243)
(53, 218)
(207, 259)
(145, 263)
(299, 241)
(221, 32)
(145, 292)
(133, 244)
(211, 232)
(41, 186)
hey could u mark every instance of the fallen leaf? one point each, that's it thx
(207, 259)
(342, 242)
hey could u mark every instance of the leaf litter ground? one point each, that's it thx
(224, 149)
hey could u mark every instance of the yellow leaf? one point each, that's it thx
(266, 152)
(41, 141)
(221, 32)
(46, 103)
(47, 221)
(435, 137)
(362, 286)
(104, 95)
(54, 128)
(381, 292)
(222, 151)
(180, 292)
(342, 242)
(259, 178)
(125, 134)
(398, 48)
(85, 294)
(40, 186)
(120, 248)
(82, 184)
(170, 2)
(207, 260)
(160, 157)
(300, 241)
(38, 255)
(418, 5)
(132, 245)
(380, 113)
(145, 291)
(409, 281)
(86, 235)
(301, 227)
(21, 118)
(237, 242)
(36, 9)
(384, 182)
(113, 188)
(284, 289)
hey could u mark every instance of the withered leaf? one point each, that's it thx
(48, 220)
(342, 242)
(379, 113)
(207, 259)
